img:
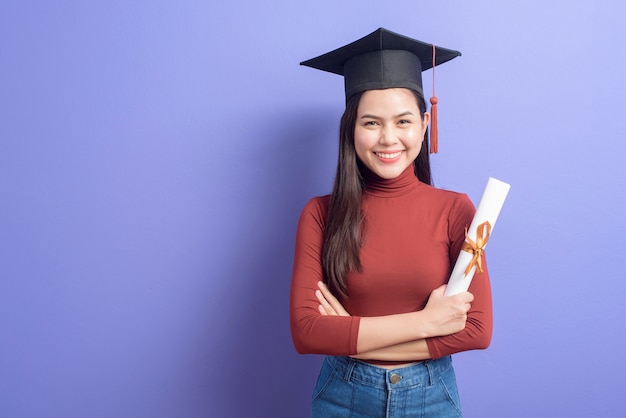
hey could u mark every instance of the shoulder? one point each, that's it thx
(318, 204)
(315, 210)
(455, 207)
(447, 198)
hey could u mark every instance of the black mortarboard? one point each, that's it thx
(381, 60)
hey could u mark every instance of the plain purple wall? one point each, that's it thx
(155, 156)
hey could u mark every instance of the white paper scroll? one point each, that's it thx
(488, 210)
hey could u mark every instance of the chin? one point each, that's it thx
(388, 174)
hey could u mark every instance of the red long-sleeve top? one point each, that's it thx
(413, 235)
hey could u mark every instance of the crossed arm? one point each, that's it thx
(402, 336)
(321, 325)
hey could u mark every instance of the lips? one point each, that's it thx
(388, 157)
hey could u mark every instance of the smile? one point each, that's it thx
(388, 156)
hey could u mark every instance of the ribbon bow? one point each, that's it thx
(477, 248)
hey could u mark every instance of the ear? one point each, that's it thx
(425, 122)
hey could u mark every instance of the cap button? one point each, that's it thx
(395, 378)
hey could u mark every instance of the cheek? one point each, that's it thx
(363, 141)
(415, 138)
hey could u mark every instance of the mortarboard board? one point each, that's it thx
(385, 59)
(380, 60)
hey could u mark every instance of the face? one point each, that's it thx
(389, 131)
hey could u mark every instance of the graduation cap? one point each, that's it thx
(385, 59)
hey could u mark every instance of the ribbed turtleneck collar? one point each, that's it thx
(401, 185)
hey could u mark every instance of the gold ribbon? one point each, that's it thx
(477, 248)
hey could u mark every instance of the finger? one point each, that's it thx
(324, 303)
(467, 297)
(462, 298)
(322, 310)
(319, 296)
(326, 292)
(337, 306)
(339, 310)
(331, 300)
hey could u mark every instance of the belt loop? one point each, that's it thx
(431, 372)
(349, 367)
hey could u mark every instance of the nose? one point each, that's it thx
(388, 136)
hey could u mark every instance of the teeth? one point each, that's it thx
(388, 156)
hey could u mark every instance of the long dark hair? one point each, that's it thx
(345, 224)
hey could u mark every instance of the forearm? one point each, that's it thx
(376, 333)
(443, 315)
(409, 351)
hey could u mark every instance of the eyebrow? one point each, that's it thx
(368, 116)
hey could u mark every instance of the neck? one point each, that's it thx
(397, 186)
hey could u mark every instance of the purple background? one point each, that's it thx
(155, 156)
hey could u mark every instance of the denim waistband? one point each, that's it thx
(418, 374)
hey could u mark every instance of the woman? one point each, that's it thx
(372, 259)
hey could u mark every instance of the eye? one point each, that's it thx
(404, 122)
(370, 123)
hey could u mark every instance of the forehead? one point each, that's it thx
(388, 100)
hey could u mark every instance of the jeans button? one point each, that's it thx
(395, 378)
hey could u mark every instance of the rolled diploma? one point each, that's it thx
(488, 210)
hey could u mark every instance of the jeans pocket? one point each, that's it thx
(448, 383)
(323, 380)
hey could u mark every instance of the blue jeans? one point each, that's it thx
(352, 388)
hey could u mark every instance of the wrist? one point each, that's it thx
(423, 325)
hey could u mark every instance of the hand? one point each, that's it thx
(448, 314)
(329, 305)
